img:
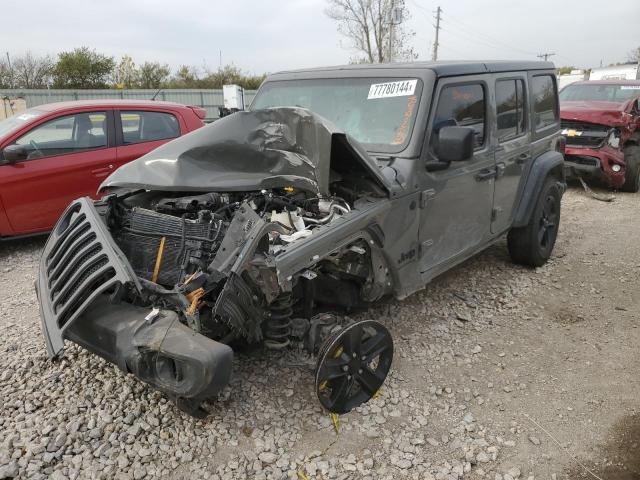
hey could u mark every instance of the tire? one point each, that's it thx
(532, 244)
(632, 175)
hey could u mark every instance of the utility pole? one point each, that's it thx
(391, 32)
(10, 70)
(436, 43)
(395, 18)
(546, 56)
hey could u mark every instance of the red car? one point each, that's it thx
(601, 124)
(52, 154)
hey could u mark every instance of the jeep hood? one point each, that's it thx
(612, 114)
(245, 151)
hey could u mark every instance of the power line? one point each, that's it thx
(462, 55)
(487, 38)
(470, 37)
(436, 43)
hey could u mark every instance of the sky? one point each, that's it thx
(270, 35)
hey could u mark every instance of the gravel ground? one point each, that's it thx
(500, 373)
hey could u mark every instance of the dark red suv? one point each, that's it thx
(52, 154)
(601, 124)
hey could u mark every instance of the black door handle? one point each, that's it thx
(486, 174)
(522, 158)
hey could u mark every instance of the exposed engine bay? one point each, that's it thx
(183, 248)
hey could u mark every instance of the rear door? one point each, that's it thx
(512, 146)
(456, 202)
(140, 131)
(68, 157)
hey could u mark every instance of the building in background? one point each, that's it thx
(574, 76)
(627, 71)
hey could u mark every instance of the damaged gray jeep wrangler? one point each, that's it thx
(340, 186)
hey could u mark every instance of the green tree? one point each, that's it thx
(252, 82)
(82, 68)
(634, 55)
(185, 77)
(231, 75)
(152, 75)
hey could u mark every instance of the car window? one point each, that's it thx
(139, 126)
(510, 108)
(68, 134)
(607, 92)
(461, 105)
(18, 121)
(377, 111)
(545, 101)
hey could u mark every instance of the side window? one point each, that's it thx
(464, 106)
(68, 134)
(545, 101)
(510, 107)
(139, 126)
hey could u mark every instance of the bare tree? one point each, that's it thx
(6, 75)
(366, 24)
(30, 71)
(126, 74)
(634, 55)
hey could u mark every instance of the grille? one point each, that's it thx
(589, 135)
(583, 160)
(76, 265)
(80, 261)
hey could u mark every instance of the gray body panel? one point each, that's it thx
(436, 220)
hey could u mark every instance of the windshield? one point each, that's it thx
(17, 121)
(600, 92)
(377, 112)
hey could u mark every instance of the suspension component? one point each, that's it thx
(277, 328)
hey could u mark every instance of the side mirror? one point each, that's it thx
(13, 153)
(455, 144)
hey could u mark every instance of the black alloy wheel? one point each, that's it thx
(548, 224)
(352, 365)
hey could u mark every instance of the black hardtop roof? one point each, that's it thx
(441, 69)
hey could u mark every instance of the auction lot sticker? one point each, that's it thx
(401, 88)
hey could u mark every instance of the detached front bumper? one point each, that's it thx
(83, 275)
(158, 349)
(596, 163)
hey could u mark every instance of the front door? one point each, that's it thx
(512, 146)
(456, 202)
(68, 157)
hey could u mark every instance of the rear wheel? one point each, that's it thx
(632, 175)
(532, 244)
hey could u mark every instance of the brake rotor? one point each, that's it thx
(352, 365)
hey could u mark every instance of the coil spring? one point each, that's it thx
(277, 328)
